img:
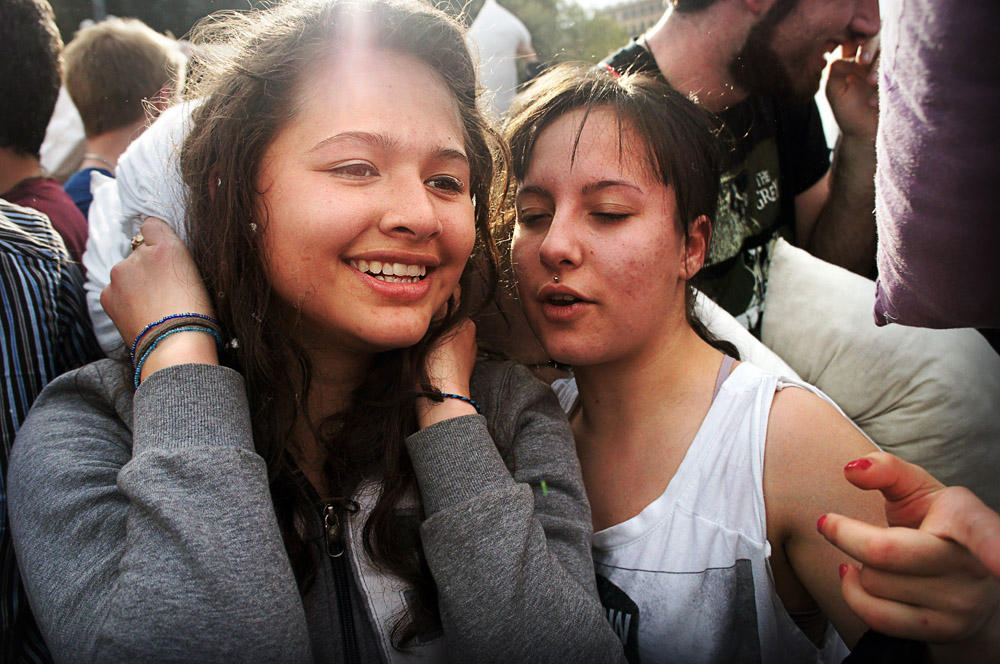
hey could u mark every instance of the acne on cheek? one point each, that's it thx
(636, 273)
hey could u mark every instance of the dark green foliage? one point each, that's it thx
(561, 30)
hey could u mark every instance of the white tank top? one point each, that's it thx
(688, 579)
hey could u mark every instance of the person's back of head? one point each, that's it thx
(29, 73)
(116, 69)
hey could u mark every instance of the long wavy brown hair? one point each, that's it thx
(247, 87)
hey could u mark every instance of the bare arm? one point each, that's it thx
(808, 442)
(835, 218)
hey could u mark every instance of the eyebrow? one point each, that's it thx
(533, 190)
(604, 184)
(587, 189)
(383, 142)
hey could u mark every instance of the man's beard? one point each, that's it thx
(757, 68)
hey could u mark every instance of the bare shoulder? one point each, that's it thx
(803, 423)
(808, 443)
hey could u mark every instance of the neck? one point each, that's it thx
(694, 51)
(336, 373)
(637, 420)
(15, 167)
(104, 149)
(645, 390)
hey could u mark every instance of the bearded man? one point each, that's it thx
(757, 64)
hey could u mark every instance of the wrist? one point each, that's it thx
(861, 144)
(431, 410)
(187, 347)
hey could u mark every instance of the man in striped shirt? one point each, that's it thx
(44, 331)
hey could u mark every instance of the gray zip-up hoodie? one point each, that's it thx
(144, 530)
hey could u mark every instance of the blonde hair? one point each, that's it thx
(113, 69)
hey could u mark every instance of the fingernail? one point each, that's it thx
(819, 524)
(859, 464)
(843, 570)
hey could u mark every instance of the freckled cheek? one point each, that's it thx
(634, 276)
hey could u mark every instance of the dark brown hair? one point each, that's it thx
(681, 139)
(29, 73)
(112, 68)
(248, 98)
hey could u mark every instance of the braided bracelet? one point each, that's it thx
(161, 337)
(180, 321)
(164, 320)
(465, 399)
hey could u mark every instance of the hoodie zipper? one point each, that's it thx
(333, 529)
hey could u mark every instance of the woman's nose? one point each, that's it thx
(412, 212)
(560, 247)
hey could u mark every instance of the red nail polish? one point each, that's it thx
(859, 464)
(843, 571)
(819, 524)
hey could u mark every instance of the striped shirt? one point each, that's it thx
(44, 331)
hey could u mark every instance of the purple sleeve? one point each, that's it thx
(938, 160)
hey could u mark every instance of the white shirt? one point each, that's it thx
(494, 38)
(688, 579)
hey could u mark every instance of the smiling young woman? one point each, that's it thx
(331, 492)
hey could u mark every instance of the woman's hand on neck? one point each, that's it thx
(449, 367)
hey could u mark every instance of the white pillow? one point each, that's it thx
(721, 324)
(928, 396)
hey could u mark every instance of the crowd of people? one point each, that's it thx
(299, 433)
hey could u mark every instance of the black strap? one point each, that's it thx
(632, 58)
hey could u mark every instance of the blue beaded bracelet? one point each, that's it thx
(149, 327)
(465, 399)
(156, 342)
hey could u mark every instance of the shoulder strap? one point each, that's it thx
(724, 371)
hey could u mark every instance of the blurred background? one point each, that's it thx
(560, 29)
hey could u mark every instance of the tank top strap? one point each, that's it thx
(724, 371)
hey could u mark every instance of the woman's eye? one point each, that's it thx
(530, 218)
(611, 217)
(447, 183)
(358, 169)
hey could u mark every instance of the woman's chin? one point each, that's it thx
(569, 354)
(382, 341)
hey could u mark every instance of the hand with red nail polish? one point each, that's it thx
(933, 574)
(859, 464)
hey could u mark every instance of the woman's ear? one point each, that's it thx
(699, 236)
